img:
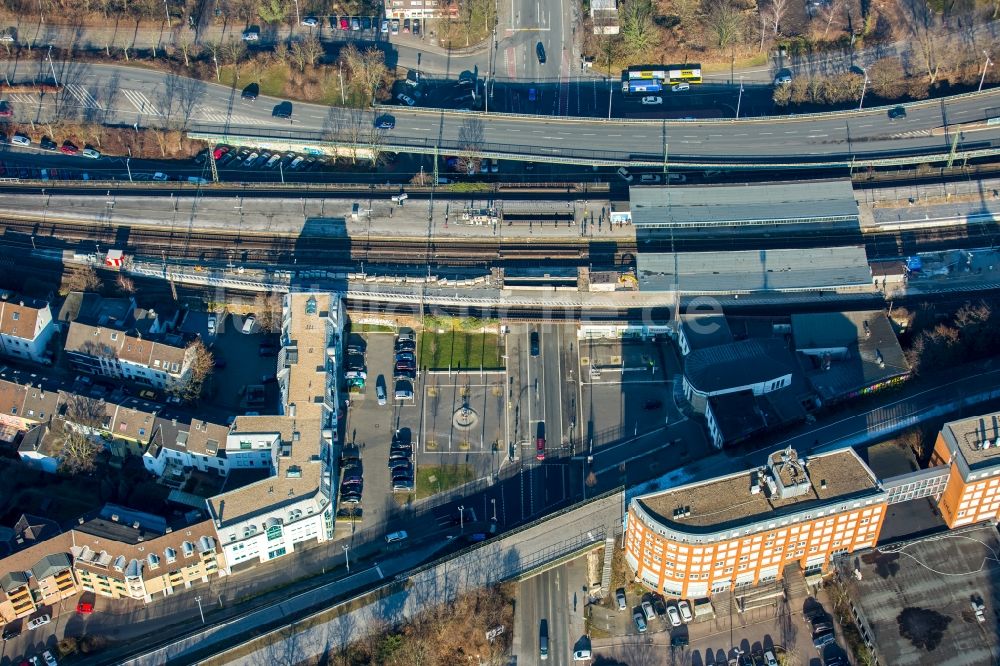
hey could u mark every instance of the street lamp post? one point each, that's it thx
(461, 518)
(347, 559)
(739, 100)
(200, 610)
(494, 500)
(52, 68)
(986, 65)
(864, 87)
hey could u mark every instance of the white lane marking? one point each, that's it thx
(140, 102)
(83, 96)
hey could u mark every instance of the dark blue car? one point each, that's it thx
(385, 122)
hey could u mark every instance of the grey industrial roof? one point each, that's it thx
(775, 203)
(738, 364)
(872, 352)
(755, 270)
(705, 329)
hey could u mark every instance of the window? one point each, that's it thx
(16, 316)
(114, 336)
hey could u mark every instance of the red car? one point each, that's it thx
(344, 24)
(84, 608)
(540, 448)
(68, 149)
(220, 151)
(6, 111)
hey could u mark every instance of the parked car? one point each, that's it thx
(674, 615)
(625, 175)
(310, 22)
(251, 34)
(47, 144)
(685, 608)
(683, 86)
(355, 24)
(6, 110)
(659, 605)
(647, 609)
(273, 162)
(68, 148)
(248, 324)
(396, 536)
(769, 659)
(344, 23)
(296, 163)
(640, 621)
(11, 630)
(20, 140)
(385, 26)
(39, 621)
(620, 598)
(822, 639)
(540, 52)
(651, 100)
(49, 659)
(406, 99)
(366, 23)
(395, 26)
(783, 77)
(416, 26)
(406, 25)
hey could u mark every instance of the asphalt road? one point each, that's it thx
(556, 597)
(146, 98)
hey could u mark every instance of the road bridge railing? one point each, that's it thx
(322, 142)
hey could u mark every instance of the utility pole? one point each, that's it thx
(347, 559)
(739, 100)
(864, 87)
(166, 11)
(986, 65)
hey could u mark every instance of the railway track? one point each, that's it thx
(248, 248)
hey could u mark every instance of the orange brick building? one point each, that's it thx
(971, 449)
(743, 529)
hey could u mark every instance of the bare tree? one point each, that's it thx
(84, 411)
(471, 136)
(886, 78)
(727, 23)
(233, 52)
(200, 366)
(267, 308)
(83, 279)
(214, 49)
(367, 70)
(924, 26)
(125, 284)
(831, 11)
(776, 13)
(77, 452)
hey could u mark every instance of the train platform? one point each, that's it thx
(471, 218)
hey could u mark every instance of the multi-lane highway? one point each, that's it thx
(146, 98)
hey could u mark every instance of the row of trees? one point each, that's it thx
(972, 333)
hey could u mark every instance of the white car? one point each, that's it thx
(581, 655)
(769, 659)
(647, 608)
(49, 659)
(160, 177)
(20, 140)
(625, 175)
(385, 26)
(296, 163)
(620, 598)
(310, 21)
(39, 621)
(685, 609)
(680, 87)
(782, 79)
(651, 100)
(675, 617)
(250, 35)
(211, 325)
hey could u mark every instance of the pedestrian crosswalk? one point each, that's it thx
(24, 99)
(141, 103)
(213, 115)
(83, 96)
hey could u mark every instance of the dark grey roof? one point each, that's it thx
(782, 203)
(864, 350)
(705, 330)
(737, 415)
(51, 565)
(737, 364)
(13, 580)
(755, 270)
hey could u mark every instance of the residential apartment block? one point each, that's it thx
(37, 576)
(264, 520)
(745, 528)
(421, 9)
(161, 361)
(26, 327)
(970, 448)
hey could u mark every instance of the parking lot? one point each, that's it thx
(371, 426)
(245, 382)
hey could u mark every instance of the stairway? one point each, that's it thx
(609, 555)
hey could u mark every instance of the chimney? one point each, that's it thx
(114, 517)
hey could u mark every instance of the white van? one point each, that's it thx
(248, 324)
